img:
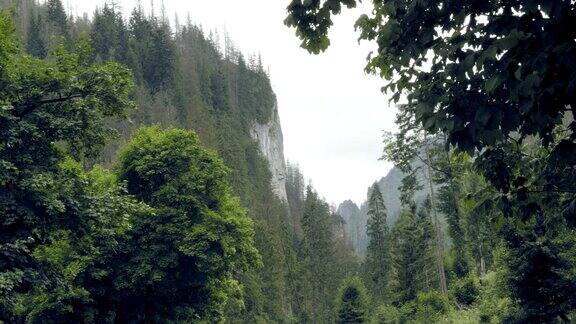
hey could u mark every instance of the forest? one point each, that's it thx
(133, 190)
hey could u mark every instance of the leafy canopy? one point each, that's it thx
(499, 80)
(476, 70)
(54, 115)
(183, 257)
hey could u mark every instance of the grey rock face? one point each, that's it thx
(356, 218)
(270, 139)
(354, 226)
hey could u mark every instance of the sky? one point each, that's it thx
(333, 114)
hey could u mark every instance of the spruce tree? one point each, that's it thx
(295, 188)
(405, 257)
(154, 49)
(411, 254)
(36, 43)
(318, 257)
(160, 66)
(353, 302)
(448, 169)
(378, 261)
(219, 85)
(424, 244)
(58, 18)
(109, 35)
(448, 205)
(140, 32)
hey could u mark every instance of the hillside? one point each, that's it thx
(356, 216)
(183, 78)
(187, 79)
(143, 176)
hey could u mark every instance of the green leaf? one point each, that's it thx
(429, 122)
(492, 84)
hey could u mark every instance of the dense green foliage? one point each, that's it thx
(353, 302)
(318, 259)
(53, 111)
(182, 225)
(181, 259)
(411, 247)
(75, 246)
(378, 259)
(161, 238)
(494, 79)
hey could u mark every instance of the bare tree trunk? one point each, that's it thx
(482, 262)
(357, 237)
(427, 279)
(438, 230)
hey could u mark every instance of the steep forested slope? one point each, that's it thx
(184, 78)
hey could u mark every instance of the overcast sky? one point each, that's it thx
(332, 113)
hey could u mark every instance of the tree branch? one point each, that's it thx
(26, 108)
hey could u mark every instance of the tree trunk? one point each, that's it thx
(482, 262)
(438, 230)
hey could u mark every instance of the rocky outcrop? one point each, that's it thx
(354, 225)
(356, 218)
(271, 142)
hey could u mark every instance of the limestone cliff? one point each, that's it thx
(270, 139)
(354, 225)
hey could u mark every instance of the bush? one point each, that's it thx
(352, 302)
(386, 314)
(466, 291)
(430, 306)
(494, 305)
(463, 316)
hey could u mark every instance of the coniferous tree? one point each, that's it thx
(448, 205)
(36, 43)
(295, 190)
(110, 36)
(219, 86)
(318, 257)
(154, 49)
(378, 261)
(413, 152)
(405, 257)
(159, 68)
(58, 19)
(410, 243)
(448, 166)
(353, 302)
(479, 214)
(424, 244)
(141, 35)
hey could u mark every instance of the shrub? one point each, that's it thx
(466, 291)
(352, 302)
(430, 306)
(386, 314)
(494, 305)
